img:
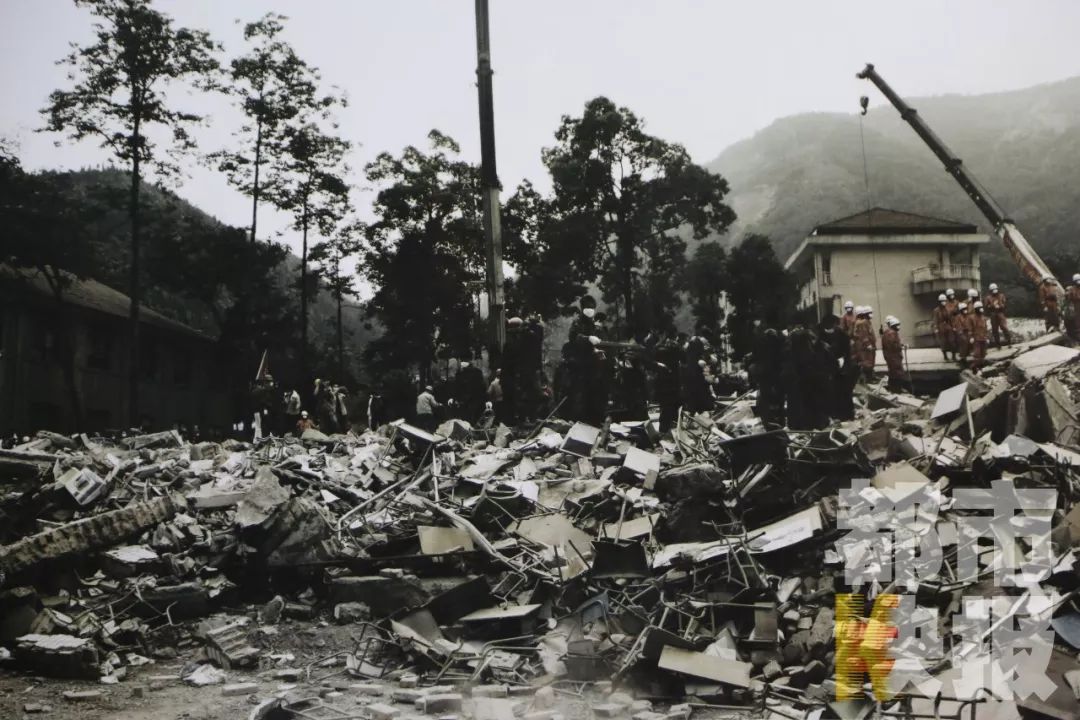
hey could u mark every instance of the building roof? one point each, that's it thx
(883, 221)
(882, 227)
(93, 295)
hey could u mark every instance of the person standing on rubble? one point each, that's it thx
(668, 388)
(511, 367)
(427, 408)
(892, 348)
(303, 424)
(1048, 300)
(961, 332)
(769, 362)
(531, 365)
(864, 342)
(495, 392)
(469, 391)
(941, 320)
(796, 377)
(325, 407)
(845, 372)
(582, 363)
(1073, 296)
(292, 409)
(979, 337)
(847, 320)
(994, 305)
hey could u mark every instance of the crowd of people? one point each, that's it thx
(805, 377)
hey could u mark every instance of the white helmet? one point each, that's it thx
(942, 298)
(1048, 278)
(993, 287)
(1076, 279)
(860, 309)
(963, 306)
(892, 321)
(950, 292)
(869, 309)
(849, 305)
(589, 312)
(978, 306)
(973, 293)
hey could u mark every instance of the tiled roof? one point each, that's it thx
(91, 294)
(883, 221)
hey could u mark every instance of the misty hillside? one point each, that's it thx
(1024, 146)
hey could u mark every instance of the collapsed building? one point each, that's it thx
(712, 567)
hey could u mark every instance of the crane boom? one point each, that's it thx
(1025, 257)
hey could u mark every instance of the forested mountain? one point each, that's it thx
(1024, 146)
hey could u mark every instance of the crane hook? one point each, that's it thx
(864, 102)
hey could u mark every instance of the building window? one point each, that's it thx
(826, 267)
(99, 349)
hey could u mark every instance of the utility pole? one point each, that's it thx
(490, 180)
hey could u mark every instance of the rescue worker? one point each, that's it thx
(972, 296)
(668, 388)
(994, 306)
(426, 408)
(847, 320)
(845, 372)
(469, 391)
(580, 364)
(941, 323)
(495, 393)
(979, 337)
(864, 342)
(1073, 296)
(961, 332)
(304, 423)
(511, 372)
(1048, 300)
(530, 369)
(292, 408)
(892, 348)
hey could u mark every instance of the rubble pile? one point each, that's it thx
(713, 564)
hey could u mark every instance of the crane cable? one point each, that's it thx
(870, 217)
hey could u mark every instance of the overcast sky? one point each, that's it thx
(705, 73)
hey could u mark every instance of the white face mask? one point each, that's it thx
(588, 312)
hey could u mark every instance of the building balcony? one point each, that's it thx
(935, 279)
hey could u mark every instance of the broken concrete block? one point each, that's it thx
(490, 691)
(58, 655)
(350, 612)
(383, 595)
(204, 675)
(439, 703)
(90, 533)
(406, 695)
(262, 500)
(382, 711)
(608, 710)
(82, 695)
(83, 484)
(228, 646)
(239, 689)
(544, 698)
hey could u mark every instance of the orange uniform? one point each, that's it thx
(864, 345)
(942, 322)
(1073, 296)
(847, 323)
(1048, 299)
(979, 339)
(994, 304)
(961, 327)
(893, 350)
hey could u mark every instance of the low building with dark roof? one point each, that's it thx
(178, 384)
(897, 262)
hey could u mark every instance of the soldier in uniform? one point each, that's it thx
(979, 337)
(942, 324)
(892, 348)
(847, 320)
(668, 388)
(994, 305)
(864, 342)
(1073, 296)
(1048, 300)
(961, 333)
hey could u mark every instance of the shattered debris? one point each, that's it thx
(707, 563)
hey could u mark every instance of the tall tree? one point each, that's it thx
(706, 280)
(332, 255)
(624, 195)
(45, 217)
(119, 97)
(313, 188)
(273, 86)
(760, 290)
(424, 253)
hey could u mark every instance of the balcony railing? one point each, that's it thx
(826, 277)
(944, 272)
